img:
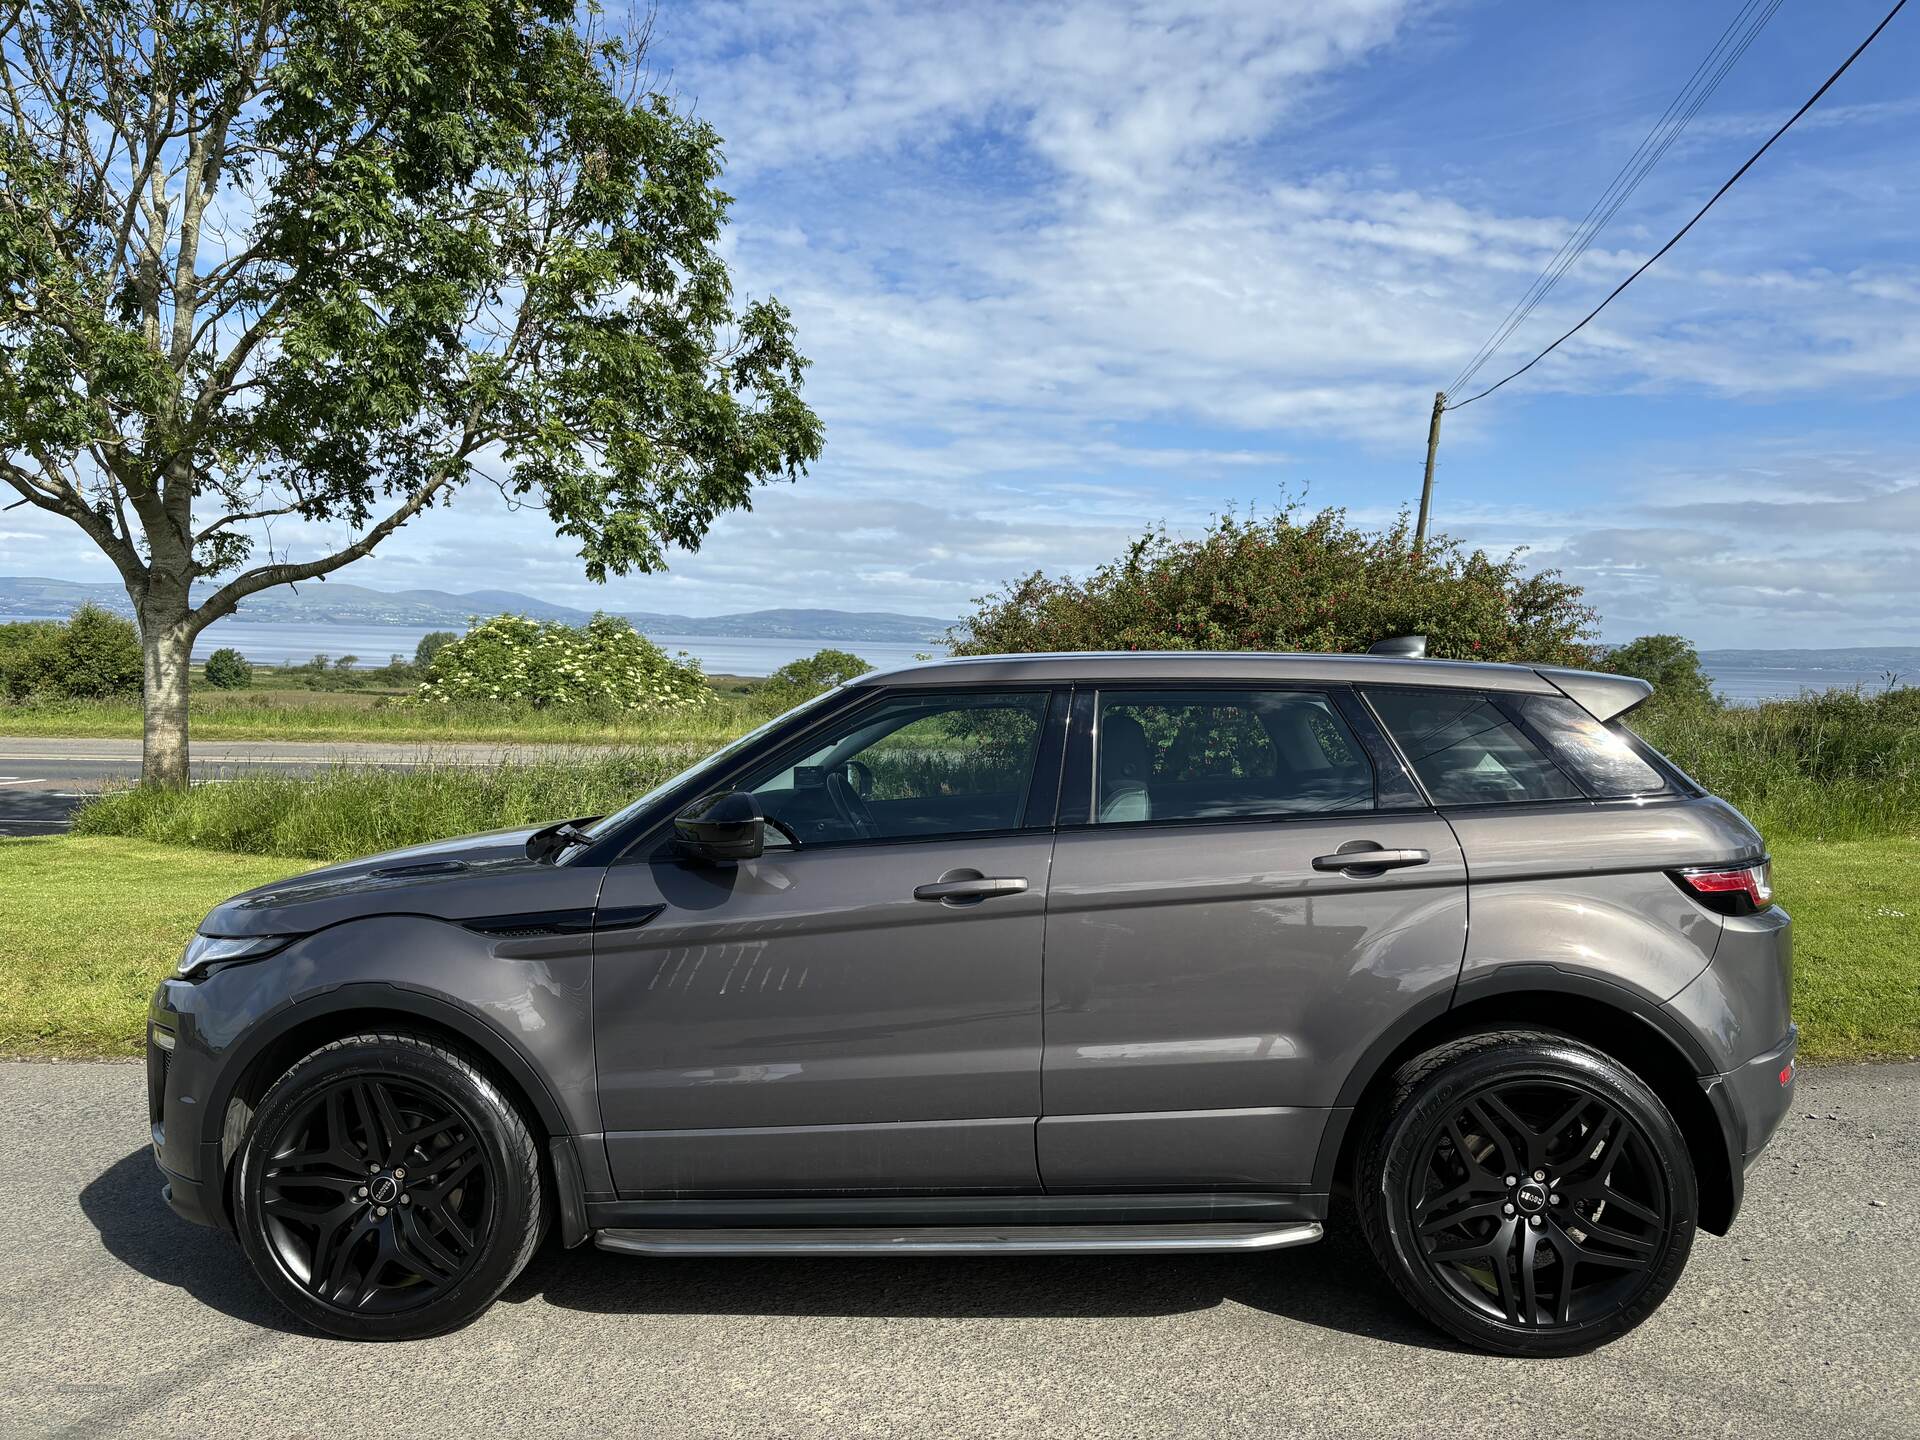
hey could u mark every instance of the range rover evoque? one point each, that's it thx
(1024, 954)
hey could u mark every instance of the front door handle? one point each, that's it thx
(972, 887)
(1370, 859)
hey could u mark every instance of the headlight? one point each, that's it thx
(205, 951)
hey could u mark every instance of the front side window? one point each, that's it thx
(910, 767)
(1225, 755)
(1465, 751)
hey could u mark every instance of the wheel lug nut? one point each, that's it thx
(361, 1192)
(406, 1199)
(399, 1174)
(379, 1209)
(1539, 1174)
(373, 1169)
(1513, 1179)
(1553, 1199)
(1506, 1209)
(1535, 1222)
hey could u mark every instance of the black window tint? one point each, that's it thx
(1603, 759)
(912, 766)
(1222, 755)
(1465, 751)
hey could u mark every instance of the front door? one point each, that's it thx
(857, 1012)
(1214, 969)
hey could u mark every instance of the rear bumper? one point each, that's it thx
(1760, 1093)
(1750, 1101)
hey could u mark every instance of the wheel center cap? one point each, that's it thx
(383, 1190)
(1531, 1197)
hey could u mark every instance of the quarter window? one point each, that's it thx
(1465, 751)
(911, 767)
(1224, 755)
(1600, 756)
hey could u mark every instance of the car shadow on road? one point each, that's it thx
(1333, 1284)
(138, 1229)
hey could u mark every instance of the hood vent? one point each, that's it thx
(423, 867)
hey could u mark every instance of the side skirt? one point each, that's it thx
(897, 1212)
(962, 1239)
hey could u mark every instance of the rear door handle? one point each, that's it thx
(1374, 859)
(979, 887)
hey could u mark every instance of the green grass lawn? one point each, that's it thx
(322, 715)
(90, 928)
(93, 923)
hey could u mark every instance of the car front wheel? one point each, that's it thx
(387, 1189)
(1527, 1193)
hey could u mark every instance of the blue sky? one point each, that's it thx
(1068, 270)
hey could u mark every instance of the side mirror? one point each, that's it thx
(723, 826)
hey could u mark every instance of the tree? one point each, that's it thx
(331, 262)
(1287, 582)
(228, 669)
(431, 644)
(809, 676)
(1667, 662)
(605, 663)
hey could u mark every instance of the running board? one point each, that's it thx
(962, 1239)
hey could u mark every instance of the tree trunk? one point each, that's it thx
(166, 644)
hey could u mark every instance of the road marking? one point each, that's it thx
(28, 780)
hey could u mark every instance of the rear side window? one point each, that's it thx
(1601, 758)
(1225, 755)
(1466, 752)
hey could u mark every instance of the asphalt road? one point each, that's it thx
(118, 1319)
(42, 781)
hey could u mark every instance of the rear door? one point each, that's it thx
(860, 1011)
(1215, 964)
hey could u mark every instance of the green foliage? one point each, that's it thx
(95, 655)
(431, 644)
(228, 669)
(1287, 582)
(1667, 662)
(604, 664)
(317, 260)
(1842, 764)
(801, 680)
(344, 812)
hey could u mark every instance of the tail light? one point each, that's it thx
(1737, 890)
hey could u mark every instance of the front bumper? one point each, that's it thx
(177, 1082)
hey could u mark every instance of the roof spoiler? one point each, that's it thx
(1605, 697)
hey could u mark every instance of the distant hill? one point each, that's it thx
(336, 603)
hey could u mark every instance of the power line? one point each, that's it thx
(1732, 180)
(1733, 43)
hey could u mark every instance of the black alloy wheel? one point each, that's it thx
(387, 1188)
(1527, 1193)
(1540, 1203)
(375, 1192)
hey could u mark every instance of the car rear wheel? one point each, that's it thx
(387, 1189)
(1527, 1194)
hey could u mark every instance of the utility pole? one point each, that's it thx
(1426, 485)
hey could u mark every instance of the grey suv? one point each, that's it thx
(1052, 953)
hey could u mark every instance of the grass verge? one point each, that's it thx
(94, 923)
(324, 716)
(346, 811)
(92, 926)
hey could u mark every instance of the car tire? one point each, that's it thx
(1526, 1193)
(388, 1188)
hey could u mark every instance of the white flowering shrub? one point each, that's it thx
(604, 664)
